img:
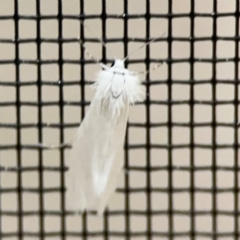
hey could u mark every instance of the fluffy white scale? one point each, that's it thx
(96, 157)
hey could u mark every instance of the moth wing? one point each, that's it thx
(95, 159)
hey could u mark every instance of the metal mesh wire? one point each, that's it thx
(193, 197)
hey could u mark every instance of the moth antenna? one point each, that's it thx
(152, 69)
(144, 45)
(98, 61)
(99, 39)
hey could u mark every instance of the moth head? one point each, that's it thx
(118, 63)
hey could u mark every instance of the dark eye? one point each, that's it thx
(112, 64)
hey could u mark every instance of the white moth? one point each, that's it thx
(97, 151)
(96, 157)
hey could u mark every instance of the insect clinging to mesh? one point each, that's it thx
(96, 157)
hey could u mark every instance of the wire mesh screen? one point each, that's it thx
(181, 178)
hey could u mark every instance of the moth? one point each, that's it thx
(96, 157)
